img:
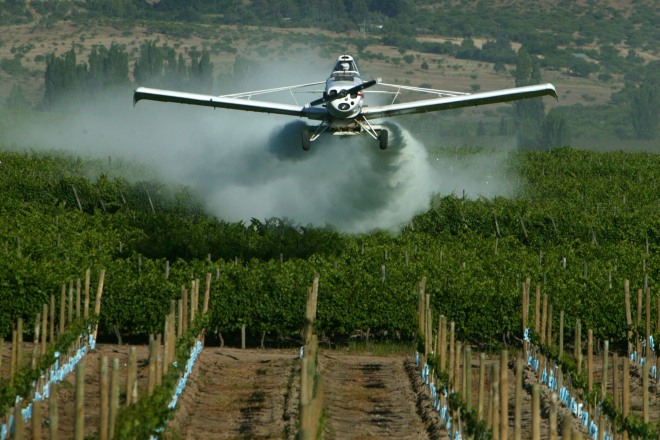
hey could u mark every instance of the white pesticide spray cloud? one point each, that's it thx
(246, 165)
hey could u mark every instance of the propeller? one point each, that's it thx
(344, 93)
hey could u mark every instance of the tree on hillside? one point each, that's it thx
(201, 70)
(498, 51)
(391, 8)
(161, 66)
(107, 67)
(529, 112)
(113, 8)
(63, 77)
(357, 10)
(17, 99)
(155, 65)
(644, 109)
(14, 11)
(554, 131)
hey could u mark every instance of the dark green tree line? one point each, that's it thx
(63, 77)
(644, 109)
(109, 68)
(533, 128)
(528, 112)
(160, 66)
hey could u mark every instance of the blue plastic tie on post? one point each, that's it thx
(302, 352)
(585, 418)
(654, 371)
(552, 384)
(544, 376)
(182, 381)
(641, 362)
(90, 339)
(526, 334)
(565, 396)
(652, 343)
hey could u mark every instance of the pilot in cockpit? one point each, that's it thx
(344, 66)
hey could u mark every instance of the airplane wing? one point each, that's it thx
(451, 102)
(228, 102)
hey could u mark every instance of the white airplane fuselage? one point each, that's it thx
(343, 77)
(348, 107)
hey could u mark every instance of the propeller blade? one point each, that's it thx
(344, 93)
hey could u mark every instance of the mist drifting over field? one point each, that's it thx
(246, 165)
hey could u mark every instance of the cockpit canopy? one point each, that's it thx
(345, 66)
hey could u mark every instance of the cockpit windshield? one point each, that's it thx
(345, 66)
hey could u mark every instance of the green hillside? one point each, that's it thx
(602, 56)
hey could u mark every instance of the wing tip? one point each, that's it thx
(139, 94)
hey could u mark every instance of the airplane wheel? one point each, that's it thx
(305, 140)
(382, 139)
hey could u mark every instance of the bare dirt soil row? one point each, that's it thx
(254, 394)
(234, 394)
(370, 397)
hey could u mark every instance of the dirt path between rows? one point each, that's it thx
(369, 397)
(239, 394)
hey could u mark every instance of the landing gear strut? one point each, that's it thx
(306, 141)
(382, 139)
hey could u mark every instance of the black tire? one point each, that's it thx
(306, 143)
(382, 139)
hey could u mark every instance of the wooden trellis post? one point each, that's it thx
(53, 412)
(536, 412)
(517, 423)
(504, 395)
(482, 385)
(105, 400)
(79, 420)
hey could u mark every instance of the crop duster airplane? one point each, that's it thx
(342, 109)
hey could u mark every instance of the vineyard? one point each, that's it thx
(515, 278)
